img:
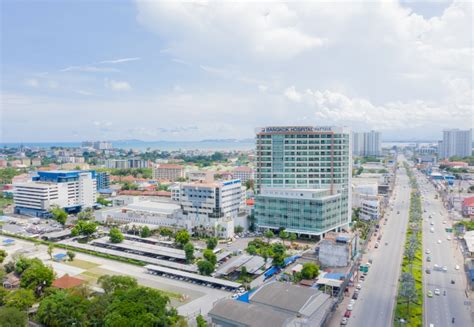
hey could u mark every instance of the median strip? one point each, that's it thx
(409, 305)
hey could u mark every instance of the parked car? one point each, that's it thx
(344, 321)
(355, 296)
(347, 314)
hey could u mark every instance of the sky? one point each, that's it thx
(171, 70)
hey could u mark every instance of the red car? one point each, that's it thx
(347, 314)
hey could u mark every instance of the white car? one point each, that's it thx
(432, 223)
(437, 292)
(448, 238)
(444, 221)
(427, 251)
(352, 301)
(349, 307)
(445, 268)
(358, 286)
(457, 267)
(439, 241)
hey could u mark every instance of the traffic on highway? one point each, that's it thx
(445, 301)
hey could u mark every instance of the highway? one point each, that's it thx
(440, 309)
(376, 301)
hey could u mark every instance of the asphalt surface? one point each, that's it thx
(376, 301)
(440, 309)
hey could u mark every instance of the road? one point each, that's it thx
(376, 301)
(440, 310)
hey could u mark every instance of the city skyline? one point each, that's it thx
(179, 72)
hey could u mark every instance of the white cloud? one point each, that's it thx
(339, 108)
(90, 69)
(119, 61)
(292, 94)
(117, 85)
(82, 92)
(32, 82)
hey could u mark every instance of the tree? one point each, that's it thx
(205, 267)
(283, 235)
(115, 235)
(238, 229)
(24, 263)
(71, 255)
(250, 184)
(63, 309)
(408, 289)
(59, 215)
(87, 214)
(21, 299)
(269, 235)
(189, 252)
(210, 256)
(166, 232)
(37, 277)
(212, 243)
(145, 232)
(140, 306)
(251, 249)
(201, 322)
(110, 284)
(182, 237)
(278, 251)
(12, 317)
(3, 255)
(50, 251)
(293, 237)
(83, 227)
(101, 200)
(310, 270)
(278, 260)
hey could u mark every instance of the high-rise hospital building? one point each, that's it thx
(303, 178)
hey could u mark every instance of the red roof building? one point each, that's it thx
(468, 207)
(67, 282)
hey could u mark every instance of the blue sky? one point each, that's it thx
(167, 70)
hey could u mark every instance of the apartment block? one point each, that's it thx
(169, 172)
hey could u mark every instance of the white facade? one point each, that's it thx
(367, 144)
(166, 214)
(455, 143)
(40, 196)
(78, 191)
(243, 173)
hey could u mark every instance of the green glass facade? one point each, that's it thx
(303, 158)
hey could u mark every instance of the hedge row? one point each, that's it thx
(73, 248)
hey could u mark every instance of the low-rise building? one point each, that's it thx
(468, 207)
(274, 304)
(337, 249)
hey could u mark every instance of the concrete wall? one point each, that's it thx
(334, 254)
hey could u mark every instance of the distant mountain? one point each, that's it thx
(227, 140)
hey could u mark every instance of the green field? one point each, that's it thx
(82, 264)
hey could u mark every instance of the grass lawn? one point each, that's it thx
(82, 264)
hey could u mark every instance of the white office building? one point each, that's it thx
(455, 143)
(70, 190)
